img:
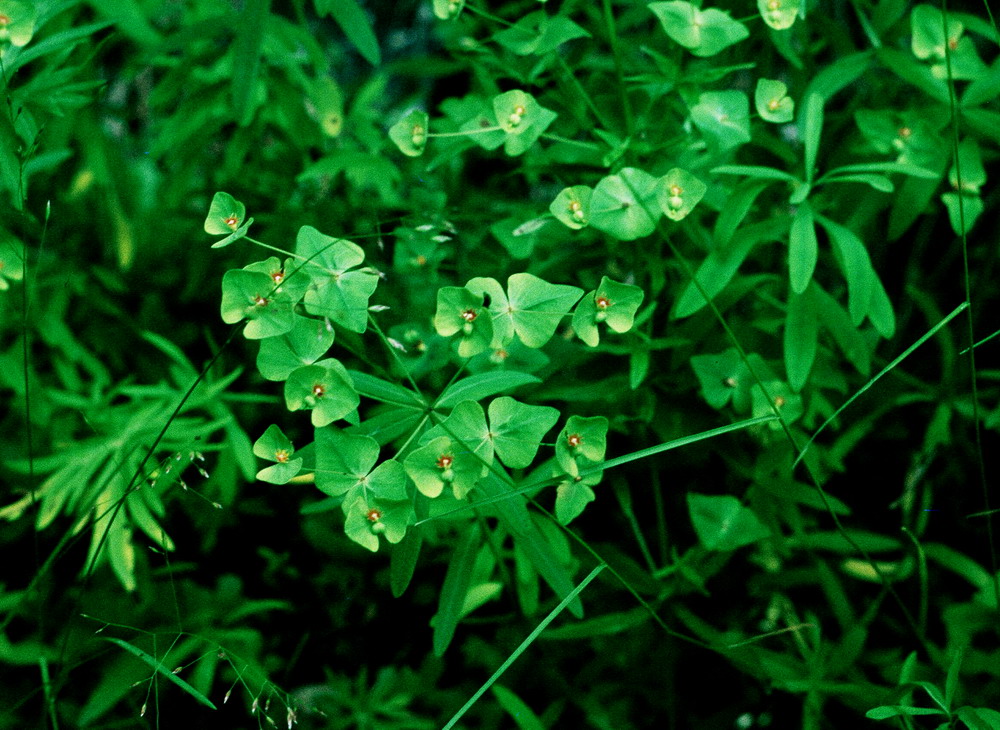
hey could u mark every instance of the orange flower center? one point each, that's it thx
(281, 456)
(574, 440)
(374, 515)
(445, 461)
(318, 390)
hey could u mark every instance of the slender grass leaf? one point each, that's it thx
(158, 667)
(570, 598)
(906, 353)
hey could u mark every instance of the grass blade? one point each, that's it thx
(906, 353)
(524, 645)
(159, 667)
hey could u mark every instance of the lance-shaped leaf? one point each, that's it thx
(369, 516)
(517, 430)
(273, 445)
(582, 442)
(410, 133)
(723, 523)
(624, 205)
(325, 387)
(613, 303)
(772, 101)
(572, 206)
(440, 462)
(723, 117)
(678, 192)
(460, 311)
(703, 32)
(226, 218)
(339, 291)
(308, 340)
(532, 307)
(252, 295)
(803, 248)
(779, 14)
(522, 119)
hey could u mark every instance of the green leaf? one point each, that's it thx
(518, 710)
(886, 711)
(801, 336)
(574, 493)
(719, 268)
(19, 25)
(803, 248)
(854, 260)
(226, 217)
(343, 461)
(582, 442)
(403, 562)
(613, 303)
(307, 341)
(358, 29)
(720, 376)
(532, 308)
(735, 210)
(572, 206)
(678, 192)
(483, 385)
(159, 668)
(410, 133)
(455, 588)
(723, 523)
(441, 462)
(963, 210)
(252, 21)
(539, 33)
(517, 430)
(779, 14)
(703, 32)
(781, 395)
(325, 388)
(273, 445)
(252, 295)
(979, 718)
(459, 311)
(772, 101)
(448, 9)
(340, 291)
(929, 35)
(384, 391)
(811, 127)
(521, 118)
(624, 205)
(367, 516)
(724, 118)
(467, 426)
(970, 164)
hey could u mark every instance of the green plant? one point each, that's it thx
(636, 292)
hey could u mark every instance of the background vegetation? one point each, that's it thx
(686, 294)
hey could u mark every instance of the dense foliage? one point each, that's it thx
(459, 364)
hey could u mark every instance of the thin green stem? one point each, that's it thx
(609, 20)
(969, 319)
